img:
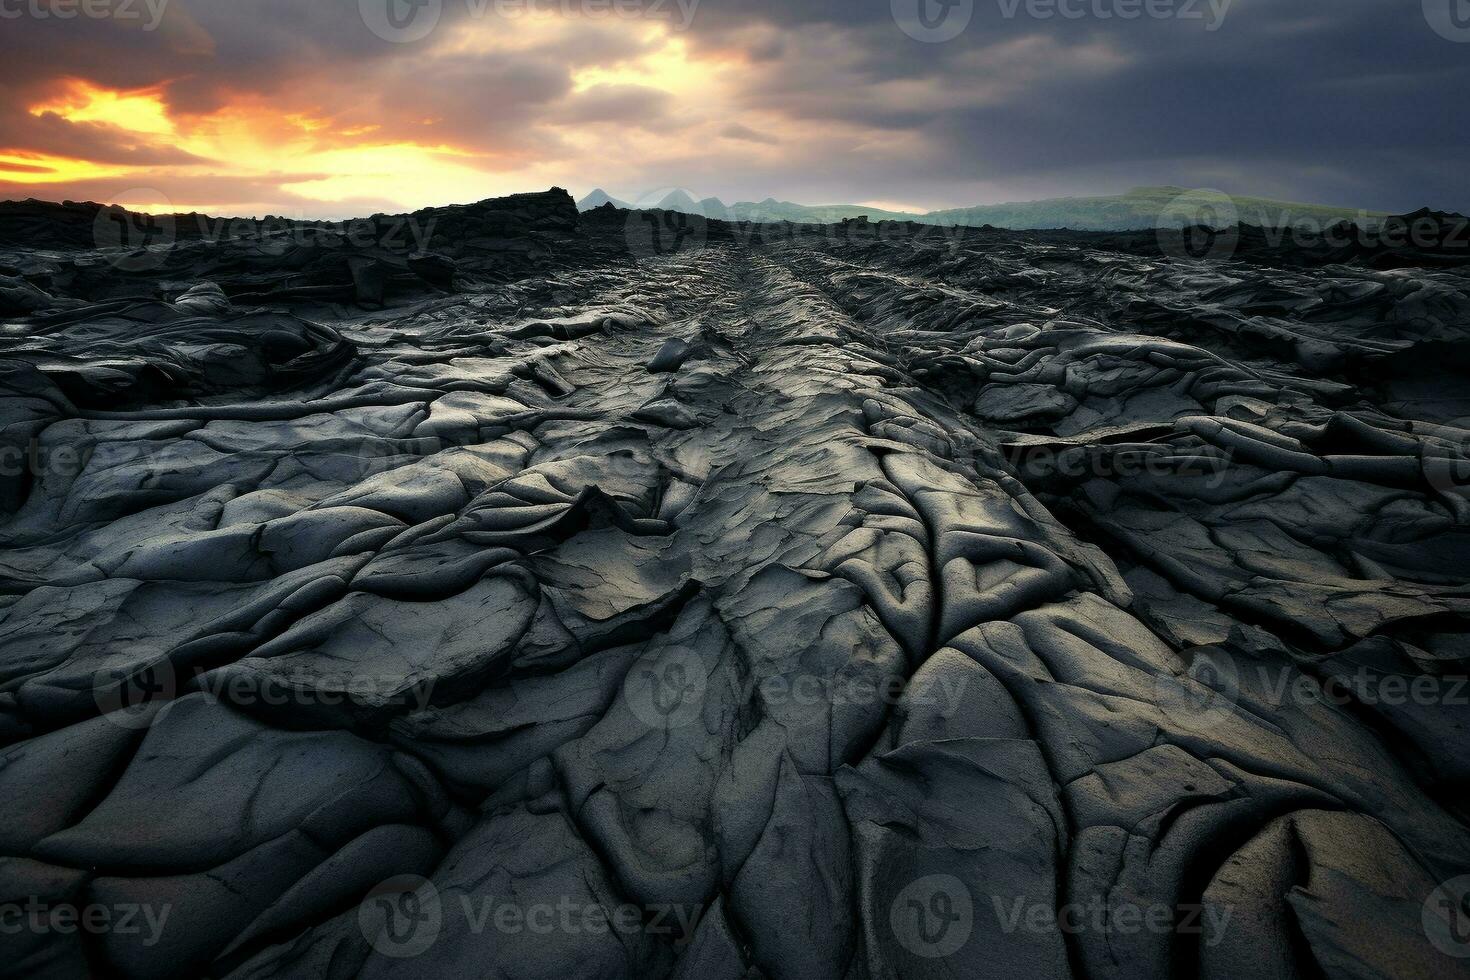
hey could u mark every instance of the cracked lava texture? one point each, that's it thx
(795, 604)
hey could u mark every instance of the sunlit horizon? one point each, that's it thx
(308, 113)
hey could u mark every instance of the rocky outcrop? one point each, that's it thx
(94, 253)
(786, 605)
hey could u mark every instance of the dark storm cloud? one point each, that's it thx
(48, 133)
(632, 105)
(1355, 102)
(1357, 106)
(735, 131)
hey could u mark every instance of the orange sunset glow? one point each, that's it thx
(310, 148)
(326, 109)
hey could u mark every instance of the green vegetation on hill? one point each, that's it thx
(1143, 207)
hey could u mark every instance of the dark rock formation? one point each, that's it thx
(797, 603)
(94, 252)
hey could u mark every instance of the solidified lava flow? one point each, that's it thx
(853, 602)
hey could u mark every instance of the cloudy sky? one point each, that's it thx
(329, 108)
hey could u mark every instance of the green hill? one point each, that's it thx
(1140, 208)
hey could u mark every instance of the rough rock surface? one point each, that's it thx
(791, 605)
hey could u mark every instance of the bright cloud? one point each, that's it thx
(282, 107)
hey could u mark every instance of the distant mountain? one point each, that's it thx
(713, 207)
(1147, 207)
(1140, 208)
(597, 199)
(679, 200)
(773, 210)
